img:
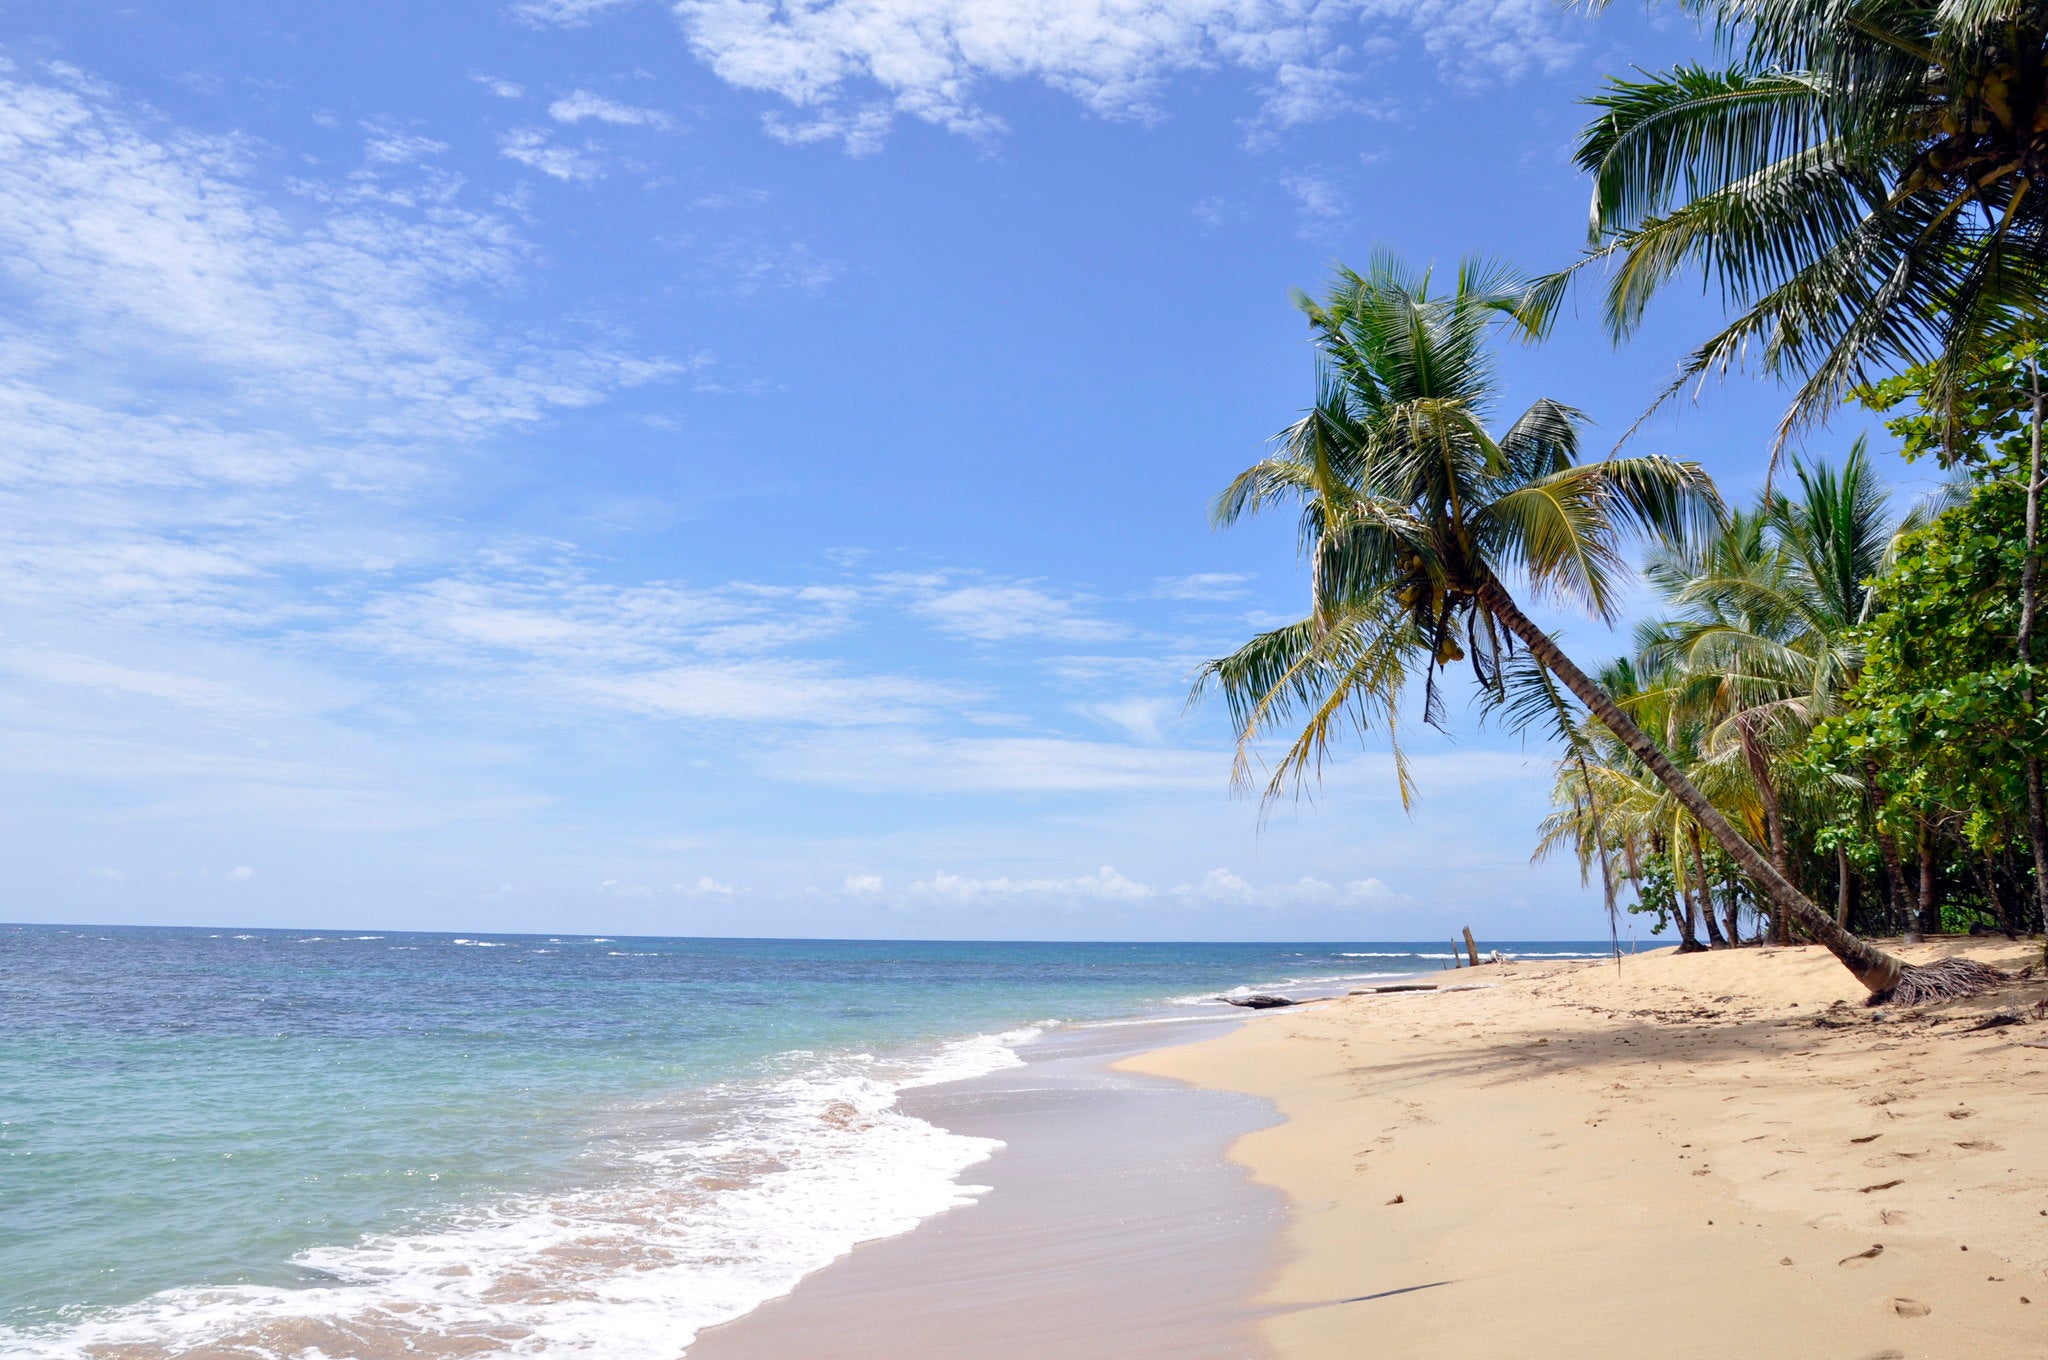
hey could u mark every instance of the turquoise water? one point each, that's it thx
(325, 1142)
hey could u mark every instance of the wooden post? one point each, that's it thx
(1471, 947)
(1457, 962)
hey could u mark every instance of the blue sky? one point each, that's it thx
(732, 467)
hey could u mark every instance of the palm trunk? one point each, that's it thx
(1715, 940)
(2030, 579)
(1842, 887)
(1735, 914)
(1774, 817)
(1767, 792)
(1878, 971)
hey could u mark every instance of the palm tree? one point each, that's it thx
(1410, 514)
(1858, 179)
(1765, 624)
(1862, 181)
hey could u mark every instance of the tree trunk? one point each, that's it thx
(1774, 818)
(1930, 909)
(1997, 903)
(2030, 580)
(1878, 971)
(1767, 792)
(1898, 892)
(1735, 914)
(1842, 887)
(1706, 891)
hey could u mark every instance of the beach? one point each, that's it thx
(1711, 1155)
(1676, 1156)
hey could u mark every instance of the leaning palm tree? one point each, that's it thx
(1412, 513)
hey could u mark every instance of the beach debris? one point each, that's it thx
(1876, 1250)
(1398, 1199)
(1940, 981)
(1997, 1020)
(1495, 956)
(1395, 987)
(1258, 1003)
(1882, 1185)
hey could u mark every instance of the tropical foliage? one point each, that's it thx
(1413, 518)
(1857, 177)
(1834, 703)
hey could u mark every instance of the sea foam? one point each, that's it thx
(710, 1204)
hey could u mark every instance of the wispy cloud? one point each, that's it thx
(911, 762)
(1104, 885)
(849, 67)
(562, 13)
(1202, 585)
(1001, 611)
(1320, 204)
(1218, 888)
(536, 149)
(583, 106)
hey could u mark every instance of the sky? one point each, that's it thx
(736, 467)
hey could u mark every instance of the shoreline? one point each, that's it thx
(1113, 1224)
(1757, 1164)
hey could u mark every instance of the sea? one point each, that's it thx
(301, 1143)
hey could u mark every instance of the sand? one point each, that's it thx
(1712, 1155)
(1114, 1228)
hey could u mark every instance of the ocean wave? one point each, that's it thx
(774, 1179)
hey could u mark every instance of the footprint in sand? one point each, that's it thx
(1910, 1308)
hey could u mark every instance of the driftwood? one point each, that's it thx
(1258, 1003)
(1396, 987)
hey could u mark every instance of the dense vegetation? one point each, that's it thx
(1835, 705)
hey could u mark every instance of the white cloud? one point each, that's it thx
(532, 148)
(1221, 887)
(863, 885)
(1218, 888)
(707, 886)
(1001, 612)
(241, 873)
(1202, 585)
(850, 66)
(501, 87)
(746, 268)
(1104, 885)
(392, 145)
(912, 763)
(779, 692)
(193, 379)
(1317, 198)
(1139, 717)
(582, 105)
(562, 13)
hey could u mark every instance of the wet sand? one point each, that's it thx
(1115, 1228)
